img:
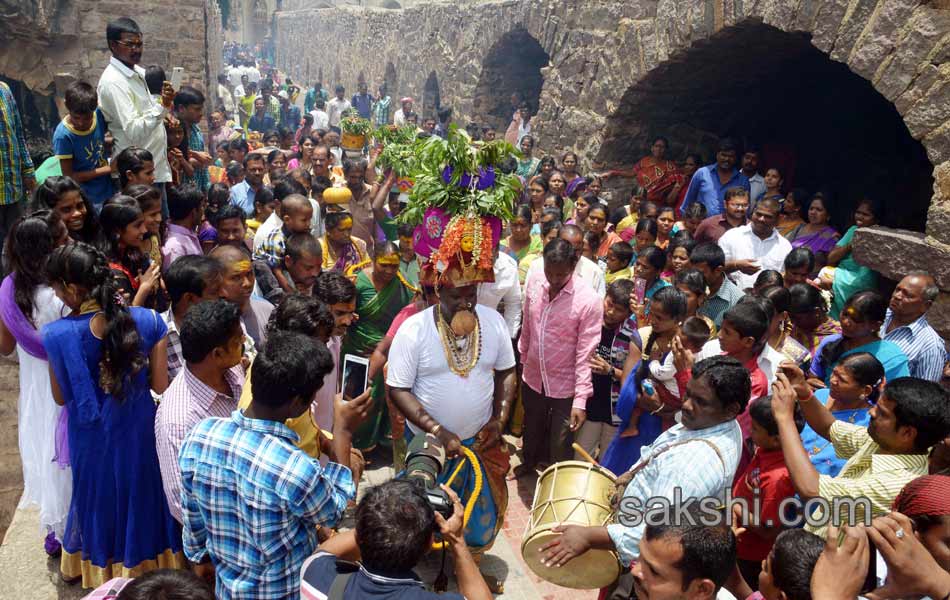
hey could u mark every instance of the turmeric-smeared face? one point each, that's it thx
(238, 283)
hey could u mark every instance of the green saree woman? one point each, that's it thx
(380, 294)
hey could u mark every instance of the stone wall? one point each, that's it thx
(48, 43)
(601, 49)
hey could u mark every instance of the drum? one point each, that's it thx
(577, 493)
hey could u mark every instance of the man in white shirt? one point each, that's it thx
(586, 269)
(756, 246)
(134, 118)
(399, 119)
(337, 106)
(458, 386)
(506, 290)
(225, 98)
(321, 120)
(239, 89)
(236, 75)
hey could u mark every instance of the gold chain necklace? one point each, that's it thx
(462, 354)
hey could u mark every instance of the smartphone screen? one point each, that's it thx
(177, 74)
(640, 289)
(355, 376)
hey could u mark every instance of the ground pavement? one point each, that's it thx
(29, 575)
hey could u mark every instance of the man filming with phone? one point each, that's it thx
(134, 118)
(451, 372)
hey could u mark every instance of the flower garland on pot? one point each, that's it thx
(461, 194)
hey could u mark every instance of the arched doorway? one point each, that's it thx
(431, 98)
(391, 82)
(511, 67)
(38, 113)
(828, 127)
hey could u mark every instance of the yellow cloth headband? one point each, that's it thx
(388, 259)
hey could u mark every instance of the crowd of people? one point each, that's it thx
(712, 336)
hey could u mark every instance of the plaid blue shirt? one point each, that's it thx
(15, 163)
(252, 501)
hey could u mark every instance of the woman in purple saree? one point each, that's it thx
(816, 234)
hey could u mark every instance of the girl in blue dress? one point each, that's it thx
(104, 360)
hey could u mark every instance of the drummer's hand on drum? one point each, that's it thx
(572, 542)
(453, 528)
(578, 416)
(450, 441)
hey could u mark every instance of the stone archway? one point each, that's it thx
(38, 113)
(391, 81)
(511, 67)
(825, 126)
(431, 98)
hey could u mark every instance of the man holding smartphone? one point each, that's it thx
(134, 118)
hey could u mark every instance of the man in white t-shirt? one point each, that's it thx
(321, 120)
(756, 246)
(399, 119)
(336, 107)
(452, 373)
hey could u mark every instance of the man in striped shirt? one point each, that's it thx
(906, 325)
(693, 460)
(16, 167)
(911, 416)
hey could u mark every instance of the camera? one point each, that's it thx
(424, 463)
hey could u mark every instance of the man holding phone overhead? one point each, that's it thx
(134, 118)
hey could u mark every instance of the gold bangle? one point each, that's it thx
(435, 430)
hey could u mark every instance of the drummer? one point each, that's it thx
(451, 372)
(697, 457)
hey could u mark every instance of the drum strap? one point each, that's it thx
(715, 448)
(627, 477)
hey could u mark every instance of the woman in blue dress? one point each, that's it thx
(855, 385)
(861, 320)
(104, 359)
(640, 427)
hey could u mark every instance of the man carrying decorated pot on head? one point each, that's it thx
(451, 366)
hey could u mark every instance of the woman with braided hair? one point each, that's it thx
(104, 359)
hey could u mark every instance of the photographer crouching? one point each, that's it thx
(395, 527)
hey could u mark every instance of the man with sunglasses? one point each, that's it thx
(134, 118)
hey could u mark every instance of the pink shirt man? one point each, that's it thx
(179, 241)
(558, 337)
